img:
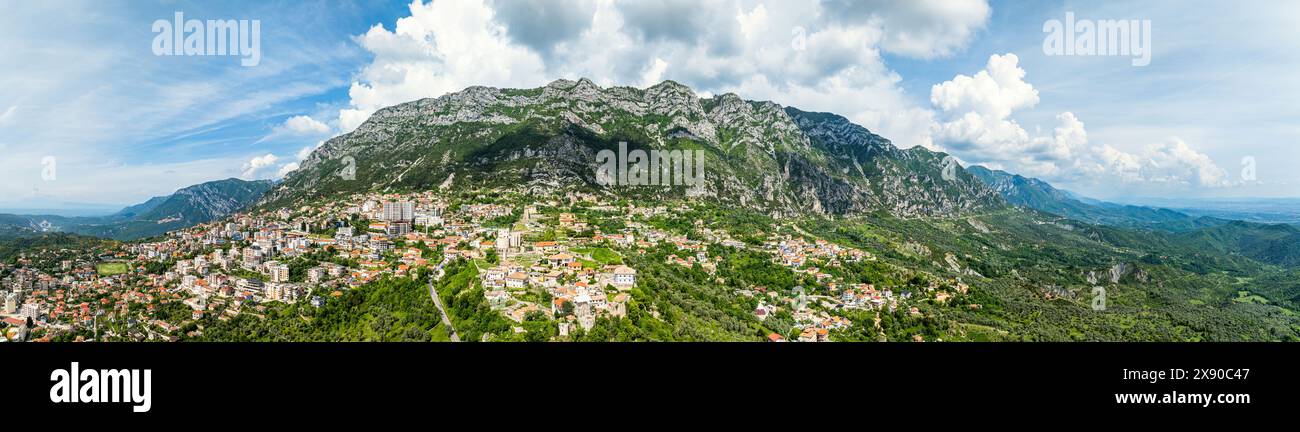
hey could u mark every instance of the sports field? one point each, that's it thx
(111, 268)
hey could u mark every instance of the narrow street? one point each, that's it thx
(451, 329)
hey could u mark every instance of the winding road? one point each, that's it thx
(451, 329)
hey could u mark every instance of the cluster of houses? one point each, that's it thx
(231, 267)
(579, 293)
(794, 252)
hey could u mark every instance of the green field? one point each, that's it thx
(111, 268)
(602, 255)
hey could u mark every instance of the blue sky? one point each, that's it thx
(80, 83)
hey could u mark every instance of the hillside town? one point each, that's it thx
(529, 263)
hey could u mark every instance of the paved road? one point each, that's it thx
(451, 330)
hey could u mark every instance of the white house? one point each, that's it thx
(624, 276)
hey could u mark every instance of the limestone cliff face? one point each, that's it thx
(761, 155)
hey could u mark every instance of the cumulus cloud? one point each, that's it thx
(655, 73)
(441, 47)
(297, 127)
(685, 22)
(542, 25)
(823, 56)
(286, 169)
(995, 91)
(1176, 162)
(977, 109)
(975, 122)
(304, 125)
(919, 28)
(258, 166)
(815, 55)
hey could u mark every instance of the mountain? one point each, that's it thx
(144, 207)
(1277, 244)
(206, 201)
(1023, 191)
(775, 174)
(1250, 209)
(14, 226)
(1269, 243)
(1039, 195)
(760, 156)
(186, 207)
(756, 155)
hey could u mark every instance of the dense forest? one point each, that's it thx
(387, 310)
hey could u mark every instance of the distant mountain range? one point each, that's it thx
(186, 207)
(1257, 209)
(1039, 195)
(1269, 243)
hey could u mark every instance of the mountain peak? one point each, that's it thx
(670, 85)
(781, 160)
(582, 84)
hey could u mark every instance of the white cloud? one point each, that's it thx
(976, 124)
(260, 167)
(306, 151)
(304, 125)
(254, 169)
(1174, 161)
(286, 169)
(444, 46)
(137, 115)
(822, 56)
(296, 127)
(268, 166)
(655, 73)
(754, 22)
(995, 91)
(544, 24)
(715, 47)
(918, 28)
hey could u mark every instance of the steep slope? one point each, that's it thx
(207, 201)
(187, 207)
(757, 155)
(142, 208)
(902, 182)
